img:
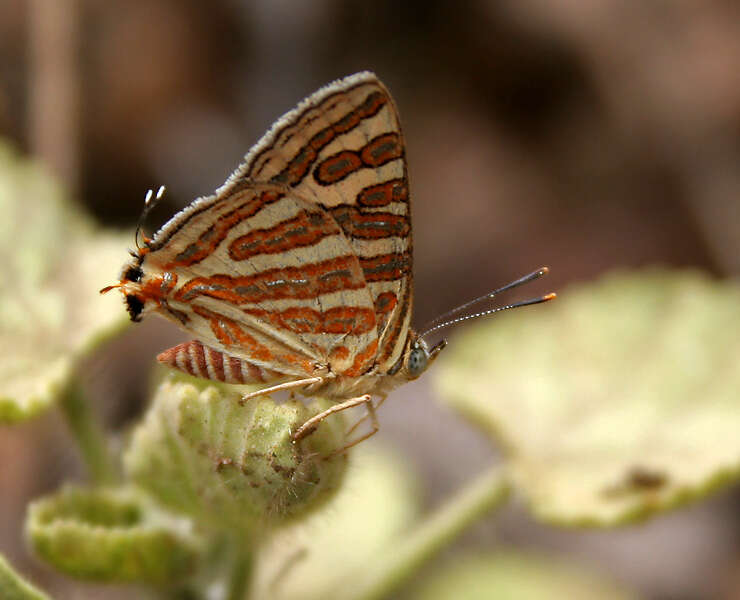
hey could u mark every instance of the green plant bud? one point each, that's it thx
(228, 465)
(111, 535)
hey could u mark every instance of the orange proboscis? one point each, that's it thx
(108, 288)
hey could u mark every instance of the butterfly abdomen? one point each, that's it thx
(199, 360)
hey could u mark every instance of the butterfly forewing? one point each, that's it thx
(343, 149)
(264, 275)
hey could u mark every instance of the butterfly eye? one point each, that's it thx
(133, 273)
(417, 362)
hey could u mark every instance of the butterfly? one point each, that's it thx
(297, 272)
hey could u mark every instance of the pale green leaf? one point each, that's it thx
(618, 400)
(54, 263)
(509, 576)
(14, 587)
(200, 452)
(111, 535)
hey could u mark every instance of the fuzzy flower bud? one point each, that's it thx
(228, 466)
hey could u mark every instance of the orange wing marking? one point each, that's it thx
(305, 282)
(377, 152)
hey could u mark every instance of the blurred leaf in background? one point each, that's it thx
(515, 576)
(54, 262)
(14, 587)
(618, 401)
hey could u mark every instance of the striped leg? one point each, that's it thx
(374, 427)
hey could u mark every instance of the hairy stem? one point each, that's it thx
(389, 571)
(88, 433)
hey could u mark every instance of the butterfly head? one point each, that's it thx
(131, 278)
(419, 356)
(130, 284)
(141, 289)
(136, 291)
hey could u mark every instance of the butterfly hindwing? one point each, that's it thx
(261, 274)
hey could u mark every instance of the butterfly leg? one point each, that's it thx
(374, 427)
(288, 385)
(310, 426)
(367, 415)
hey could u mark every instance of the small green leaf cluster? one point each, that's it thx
(111, 535)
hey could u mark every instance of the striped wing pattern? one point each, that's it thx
(261, 275)
(343, 149)
(300, 264)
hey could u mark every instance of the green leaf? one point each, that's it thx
(230, 466)
(617, 401)
(111, 535)
(318, 556)
(54, 262)
(14, 587)
(509, 576)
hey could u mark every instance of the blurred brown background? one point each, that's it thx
(582, 135)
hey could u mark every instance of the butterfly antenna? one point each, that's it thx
(521, 281)
(545, 298)
(150, 201)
